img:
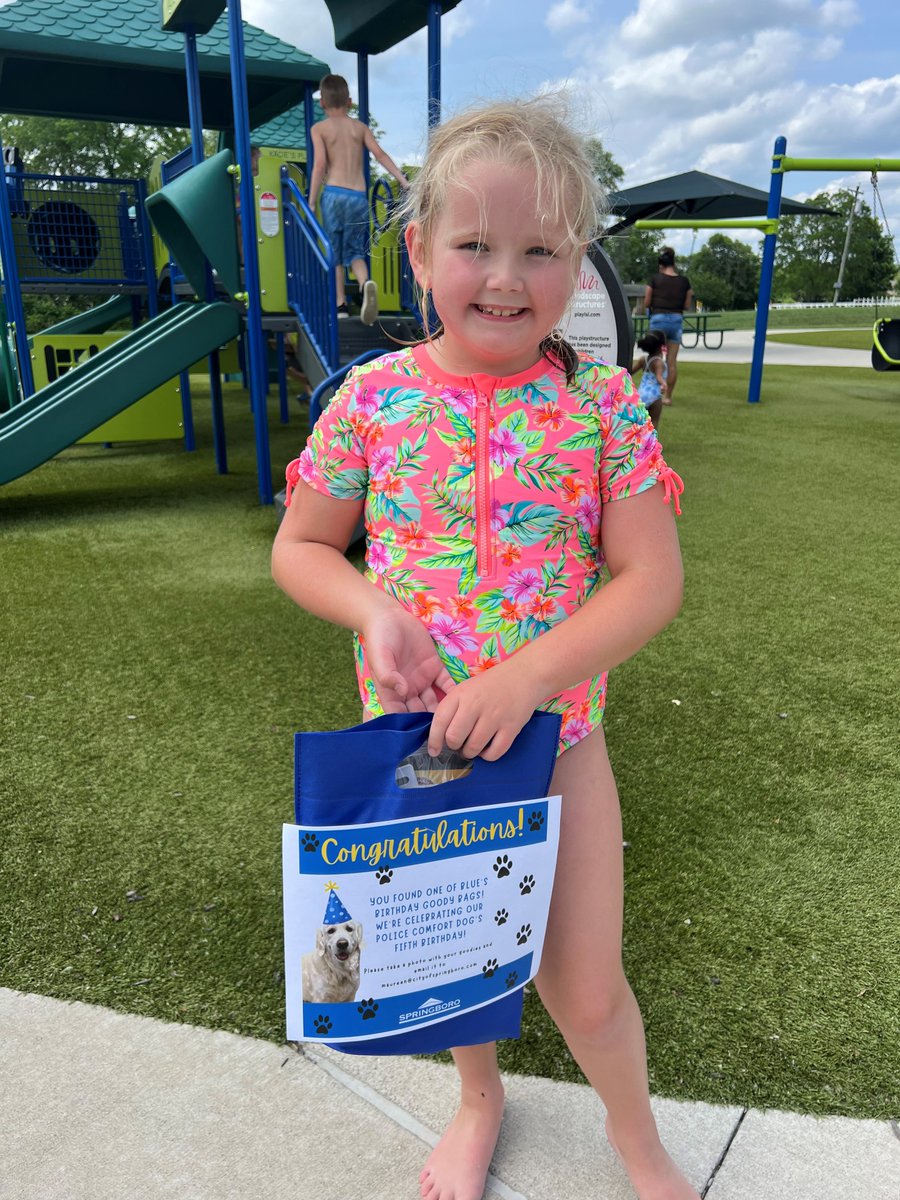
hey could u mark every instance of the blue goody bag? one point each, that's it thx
(349, 777)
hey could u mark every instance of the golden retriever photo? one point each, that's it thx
(331, 971)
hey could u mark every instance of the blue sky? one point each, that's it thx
(667, 86)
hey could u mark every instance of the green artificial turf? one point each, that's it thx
(153, 676)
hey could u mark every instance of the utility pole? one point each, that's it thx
(840, 278)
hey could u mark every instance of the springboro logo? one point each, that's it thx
(429, 1008)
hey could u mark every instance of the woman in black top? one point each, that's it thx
(666, 297)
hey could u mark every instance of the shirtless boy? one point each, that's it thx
(340, 144)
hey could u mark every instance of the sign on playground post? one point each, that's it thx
(599, 319)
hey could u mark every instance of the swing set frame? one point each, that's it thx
(769, 225)
(781, 164)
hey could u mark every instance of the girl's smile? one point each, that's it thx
(500, 271)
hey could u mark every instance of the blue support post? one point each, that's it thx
(434, 63)
(147, 244)
(766, 274)
(195, 111)
(362, 77)
(308, 122)
(258, 366)
(362, 87)
(12, 289)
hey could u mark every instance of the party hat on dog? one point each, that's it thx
(335, 913)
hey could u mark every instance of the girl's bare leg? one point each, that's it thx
(581, 980)
(672, 349)
(458, 1165)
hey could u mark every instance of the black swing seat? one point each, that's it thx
(886, 350)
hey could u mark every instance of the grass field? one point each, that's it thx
(153, 678)
(811, 318)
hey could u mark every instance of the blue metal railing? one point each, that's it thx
(311, 288)
(334, 381)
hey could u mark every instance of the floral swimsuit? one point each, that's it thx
(483, 498)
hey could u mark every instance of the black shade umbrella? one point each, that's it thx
(696, 194)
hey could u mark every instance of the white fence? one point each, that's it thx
(862, 302)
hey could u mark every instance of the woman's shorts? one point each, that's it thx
(669, 323)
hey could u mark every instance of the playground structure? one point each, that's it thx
(67, 243)
(287, 271)
(78, 381)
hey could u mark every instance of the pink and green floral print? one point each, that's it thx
(483, 499)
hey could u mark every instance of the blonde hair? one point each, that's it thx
(519, 133)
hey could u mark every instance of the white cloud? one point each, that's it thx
(662, 23)
(565, 15)
(456, 23)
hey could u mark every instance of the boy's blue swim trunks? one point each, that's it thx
(345, 215)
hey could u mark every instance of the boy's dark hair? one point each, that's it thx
(334, 91)
(667, 257)
(652, 342)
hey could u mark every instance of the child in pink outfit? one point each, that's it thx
(520, 543)
(402, 435)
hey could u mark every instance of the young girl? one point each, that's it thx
(652, 388)
(487, 459)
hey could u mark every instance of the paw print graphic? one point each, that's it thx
(501, 916)
(384, 876)
(368, 1009)
(310, 842)
(489, 968)
(536, 821)
(512, 979)
(323, 1025)
(503, 865)
(523, 935)
(526, 885)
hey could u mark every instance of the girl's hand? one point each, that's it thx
(406, 668)
(483, 715)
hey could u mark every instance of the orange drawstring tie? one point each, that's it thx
(292, 478)
(674, 486)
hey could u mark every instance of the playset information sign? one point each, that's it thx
(396, 925)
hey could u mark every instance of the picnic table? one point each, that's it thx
(697, 324)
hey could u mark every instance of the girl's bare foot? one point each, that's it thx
(652, 1173)
(457, 1167)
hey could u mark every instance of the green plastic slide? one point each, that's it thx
(79, 401)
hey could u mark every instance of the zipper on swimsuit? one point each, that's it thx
(483, 538)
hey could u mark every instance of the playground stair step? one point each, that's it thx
(388, 333)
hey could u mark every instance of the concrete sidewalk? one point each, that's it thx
(737, 347)
(96, 1105)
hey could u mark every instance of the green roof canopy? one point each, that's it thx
(110, 60)
(287, 131)
(372, 26)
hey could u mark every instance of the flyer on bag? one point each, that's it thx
(396, 925)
